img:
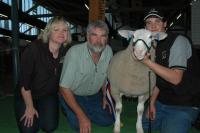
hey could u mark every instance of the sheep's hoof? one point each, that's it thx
(116, 130)
(140, 131)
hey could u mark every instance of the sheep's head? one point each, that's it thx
(142, 40)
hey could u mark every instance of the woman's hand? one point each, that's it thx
(28, 116)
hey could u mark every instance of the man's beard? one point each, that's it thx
(96, 48)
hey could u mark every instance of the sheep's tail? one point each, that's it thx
(109, 97)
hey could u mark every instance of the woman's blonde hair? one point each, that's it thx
(44, 35)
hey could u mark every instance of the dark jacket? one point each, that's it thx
(187, 92)
(40, 72)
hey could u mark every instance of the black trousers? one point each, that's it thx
(197, 122)
(48, 111)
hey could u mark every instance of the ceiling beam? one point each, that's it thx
(21, 35)
(73, 11)
(142, 9)
(23, 17)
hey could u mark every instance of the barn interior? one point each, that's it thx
(22, 20)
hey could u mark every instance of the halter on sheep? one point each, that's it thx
(128, 76)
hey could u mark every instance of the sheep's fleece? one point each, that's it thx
(129, 76)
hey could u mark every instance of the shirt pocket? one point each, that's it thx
(82, 76)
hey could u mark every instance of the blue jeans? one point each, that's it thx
(171, 119)
(92, 106)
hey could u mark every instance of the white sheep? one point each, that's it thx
(129, 76)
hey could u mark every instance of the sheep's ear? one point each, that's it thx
(126, 33)
(159, 35)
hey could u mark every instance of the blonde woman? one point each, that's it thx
(36, 102)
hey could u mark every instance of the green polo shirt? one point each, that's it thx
(80, 74)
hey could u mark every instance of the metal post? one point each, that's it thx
(15, 42)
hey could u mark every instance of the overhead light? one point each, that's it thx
(2, 15)
(178, 16)
(87, 6)
(171, 24)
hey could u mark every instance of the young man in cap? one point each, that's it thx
(172, 108)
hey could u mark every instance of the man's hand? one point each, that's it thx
(84, 124)
(151, 112)
(146, 58)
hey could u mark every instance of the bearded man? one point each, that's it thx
(83, 75)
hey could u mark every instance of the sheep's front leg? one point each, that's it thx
(140, 110)
(118, 108)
